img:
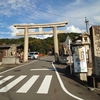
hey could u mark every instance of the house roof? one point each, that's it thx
(66, 43)
(80, 36)
(78, 40)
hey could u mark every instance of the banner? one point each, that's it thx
(79, 56)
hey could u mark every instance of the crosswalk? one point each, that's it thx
(43, 88)
(0, 76)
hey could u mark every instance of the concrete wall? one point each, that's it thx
(10, 60)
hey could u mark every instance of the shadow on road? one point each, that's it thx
(64, 70)
(45, 60)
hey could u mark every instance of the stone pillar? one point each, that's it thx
(26, 45)
(95, 49)
(56, 44)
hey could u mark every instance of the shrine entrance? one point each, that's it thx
(26, 32)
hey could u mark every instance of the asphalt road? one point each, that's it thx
(42, 80)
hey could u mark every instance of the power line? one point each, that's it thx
(47, 11)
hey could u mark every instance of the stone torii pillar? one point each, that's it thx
(25, 44)
(55, 40)
(56, 44)
(26, 28)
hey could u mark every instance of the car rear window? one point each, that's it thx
(31, 53)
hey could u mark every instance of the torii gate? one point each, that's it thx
(26, 28)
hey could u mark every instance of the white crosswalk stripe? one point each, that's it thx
(28, 84)
(12, 84)
(5, 79)
(45, 85)
(43, 89)
(1, 76)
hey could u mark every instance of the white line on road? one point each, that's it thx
(41, 69)
(5, 79)
(12, 84)
(62, 85)
(1, 76)
(28, 84)
(44, 88)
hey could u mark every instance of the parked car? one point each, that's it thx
(33, 55)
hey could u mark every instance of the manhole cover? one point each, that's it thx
(17, 70)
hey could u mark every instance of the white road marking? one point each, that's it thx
(28, 84)
(41, 69)
(45, 85)
(12, 84)
(5, 79)
(1, 76)
(62, 85)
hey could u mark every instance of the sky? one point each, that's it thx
(47, 11)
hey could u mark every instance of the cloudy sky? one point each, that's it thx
(47, 11)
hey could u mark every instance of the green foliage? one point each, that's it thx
(36, 45)
(41, 45)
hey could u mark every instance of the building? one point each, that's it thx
(65, 46)
(65, 50)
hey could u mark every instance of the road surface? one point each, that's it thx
(42, 80)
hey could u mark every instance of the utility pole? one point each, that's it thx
(87, 25)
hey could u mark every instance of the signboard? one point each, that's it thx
(80, 64)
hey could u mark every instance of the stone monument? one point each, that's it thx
(10, 56)
(95, 47)
(11, 52)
